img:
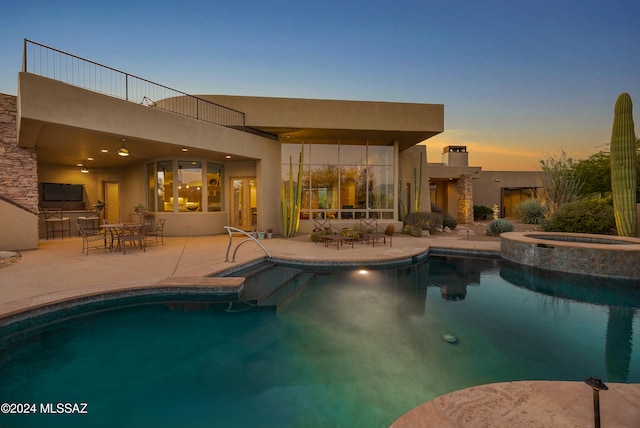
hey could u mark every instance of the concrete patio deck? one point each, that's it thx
(58, 271)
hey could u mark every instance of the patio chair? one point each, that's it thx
(321, 228)
(157, 231)
(324, 225)
(91, 239)
(372, 233)
(90, 218)
(52, 217)
(134, 234)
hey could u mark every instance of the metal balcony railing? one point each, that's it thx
(58, 65)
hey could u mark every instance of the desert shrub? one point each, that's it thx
(481, 212)
(449, 221)
(587, 215)
(425, 220)
(412, 230)
(531, 211)
(498, 226)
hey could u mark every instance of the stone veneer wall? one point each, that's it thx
(577, 253)
(465, 199)
(18, 166)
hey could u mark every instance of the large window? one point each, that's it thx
(185, 186)
(343, 179)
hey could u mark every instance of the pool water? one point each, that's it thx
(353, 349)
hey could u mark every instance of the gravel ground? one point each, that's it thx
(478, 230)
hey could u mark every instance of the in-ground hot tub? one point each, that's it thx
(581, 253)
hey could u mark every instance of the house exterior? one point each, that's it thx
(201, 162)
(208, 161)
(456, 187)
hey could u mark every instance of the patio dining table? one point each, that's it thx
(120, 233)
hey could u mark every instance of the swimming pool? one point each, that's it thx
(352, 348)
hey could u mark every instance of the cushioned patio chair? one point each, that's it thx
(373, 233)
(324, 225)
(321, 228)
(53, 217)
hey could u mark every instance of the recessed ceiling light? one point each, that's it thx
(104, 151)
(184, 149)
(228, 156)
(79, 164)
(90, 159)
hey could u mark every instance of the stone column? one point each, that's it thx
(18, 166)
(465, 199)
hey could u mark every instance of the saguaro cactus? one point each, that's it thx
(417, 187)
(292, 200)
(623, 167)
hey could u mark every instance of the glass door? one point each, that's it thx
(244, 213)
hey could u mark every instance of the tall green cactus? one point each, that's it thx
(417, 188)
(623, 167)
(292, 200)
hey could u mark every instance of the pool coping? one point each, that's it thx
(527, 404)
(213, 284)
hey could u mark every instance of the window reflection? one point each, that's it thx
(346, 179)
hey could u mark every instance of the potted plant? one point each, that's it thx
(99, 206)
(261, 235)
(269, 233)
(142, 212)
(139, 209)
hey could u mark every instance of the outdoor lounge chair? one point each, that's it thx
(322, 228)
(324, 225)
(372, 233)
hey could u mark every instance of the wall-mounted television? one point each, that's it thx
(59, 192)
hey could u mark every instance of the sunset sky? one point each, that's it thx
(520, 80)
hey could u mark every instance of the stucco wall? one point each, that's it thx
(47, 101)
(336, 114)
(487, 185)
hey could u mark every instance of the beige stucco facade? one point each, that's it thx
(65, 125)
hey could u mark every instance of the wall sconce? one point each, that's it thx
(123, 151)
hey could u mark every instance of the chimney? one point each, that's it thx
(455, 156)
